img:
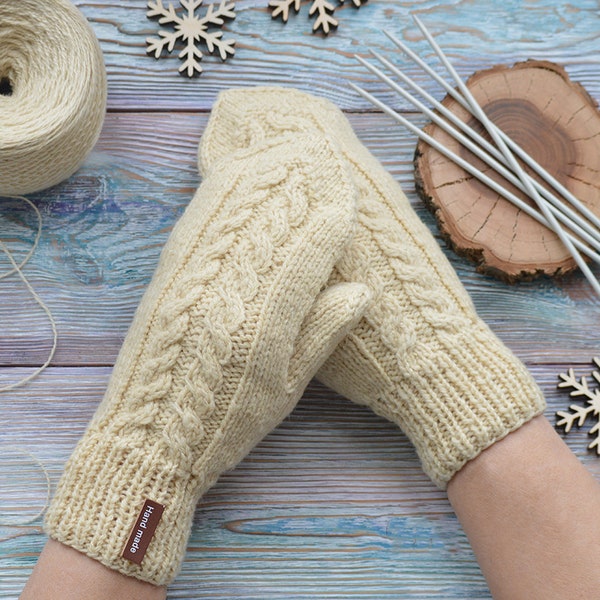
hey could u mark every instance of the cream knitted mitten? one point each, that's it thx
(237, 319)
(420, 357)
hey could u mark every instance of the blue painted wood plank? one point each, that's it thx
(475, 34)
(105, 227)
(332, 504)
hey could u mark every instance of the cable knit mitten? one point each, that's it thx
(237, 319)
(420, 357)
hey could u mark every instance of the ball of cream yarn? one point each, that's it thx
(52, 93)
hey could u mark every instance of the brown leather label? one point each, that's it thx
(143, 531)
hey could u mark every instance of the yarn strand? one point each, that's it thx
(18, 269)
(7, 521)
(36, 241)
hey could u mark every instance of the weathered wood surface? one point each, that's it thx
(104, 229)
(474, 35)
(332, 504)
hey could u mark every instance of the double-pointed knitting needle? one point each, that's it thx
(512, 161)
(526, 208)
(526, 158)
(491, 157)
(489, 148)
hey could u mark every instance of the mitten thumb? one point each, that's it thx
(334, 313)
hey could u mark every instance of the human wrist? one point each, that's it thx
(63, 573)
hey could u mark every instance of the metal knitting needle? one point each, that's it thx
(526, 208)
(567, 217)
(490, 148)
(526, 158)
(512, 161)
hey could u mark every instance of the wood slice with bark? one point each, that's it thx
(556, 122)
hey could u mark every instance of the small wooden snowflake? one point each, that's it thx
(191, 29)
(323, 8)
(578, 413)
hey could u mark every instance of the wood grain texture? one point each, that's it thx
(104, 229)
(474, 34)
(557, 124)
(332, 504)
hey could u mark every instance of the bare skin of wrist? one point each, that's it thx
(66, 574)
(530, 510)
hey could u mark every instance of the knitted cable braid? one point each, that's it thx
(236, 320)
(421, 356)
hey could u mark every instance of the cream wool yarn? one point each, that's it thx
(420, 357)
(52, 93)
(237, 319)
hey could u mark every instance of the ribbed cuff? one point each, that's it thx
(466, 393)
(100, 500)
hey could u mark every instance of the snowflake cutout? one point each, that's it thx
(191, 29)
(323, 8)
(581, 413)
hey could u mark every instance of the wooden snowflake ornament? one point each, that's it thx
(191, 30)
(578, 413)
(323, 8)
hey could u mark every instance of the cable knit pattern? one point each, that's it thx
(421, 356)
(236, 320)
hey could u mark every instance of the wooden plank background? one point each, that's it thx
(332, 504)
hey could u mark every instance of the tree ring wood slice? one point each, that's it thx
(555, 121)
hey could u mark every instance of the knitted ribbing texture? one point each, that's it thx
(236, 320)
(421, 356)
(53, 96)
